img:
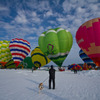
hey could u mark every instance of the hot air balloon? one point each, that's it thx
(85, 58)
(38, 58)
(5, 54)
(75, 66)
(26, 63)
(56, 44)
(86, 66)
(88, 39)
(19, 49)
(10, 64)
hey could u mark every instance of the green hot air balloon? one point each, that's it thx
(5, 54)
(56, 44)
(28, 62)
(10, 64)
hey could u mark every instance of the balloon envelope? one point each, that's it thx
(86, 66)
(56, 44)
(38, 58)
(88, 39)
(19, 49)
(5, 54)
(75, 66)
(10, 64)
(85, 58)
(28, 62)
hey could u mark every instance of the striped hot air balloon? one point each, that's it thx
(19, 49)
(10, 64)
(85, 58)
(38, 58)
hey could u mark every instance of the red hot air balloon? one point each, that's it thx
(88, 39)
(19, 49)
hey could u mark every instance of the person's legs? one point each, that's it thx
(49, 83)
(53, 83)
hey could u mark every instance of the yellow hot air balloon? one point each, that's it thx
(38, 58)
(5, 54)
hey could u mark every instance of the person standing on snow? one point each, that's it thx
(52, 77)
(32, 69)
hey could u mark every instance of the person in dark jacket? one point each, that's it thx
(52, 77)
(75, 71)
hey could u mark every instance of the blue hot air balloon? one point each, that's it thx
(85, 58)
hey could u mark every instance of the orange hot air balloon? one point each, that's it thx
(88, 39)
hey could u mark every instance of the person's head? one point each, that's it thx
(51, 66)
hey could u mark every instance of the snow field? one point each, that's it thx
(23, 85)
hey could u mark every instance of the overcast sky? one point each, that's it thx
(27, 19)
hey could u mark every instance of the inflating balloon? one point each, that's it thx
(5, 54)
(38, 58)
(10, 64)
(56, 44)
(27, 63)
(85, 58)
(75, 66)
(19, 49)
(88, 39)
(86, 66)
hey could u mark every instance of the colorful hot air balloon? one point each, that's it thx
(75, 66)
(85, 58)
(5, 54)
(10, 64)
(19, 49)
(38, 58)
(87, 67)
(56, 44)
(88, 39)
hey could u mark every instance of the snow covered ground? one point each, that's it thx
(23, 85)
